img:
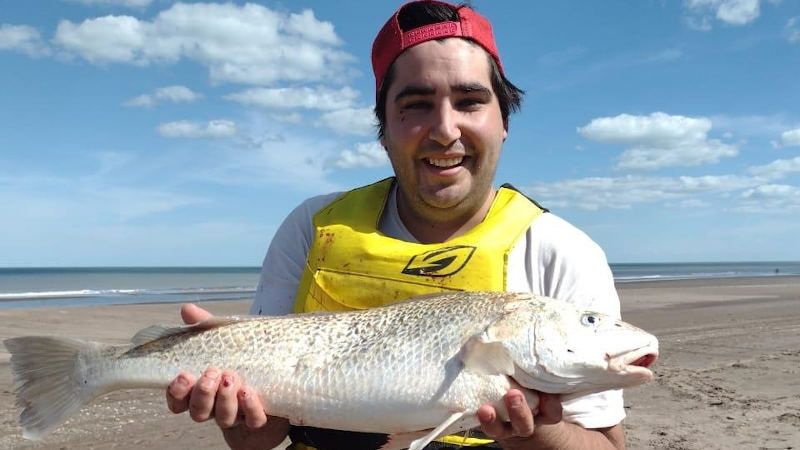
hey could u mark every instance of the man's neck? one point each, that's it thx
(435, 227)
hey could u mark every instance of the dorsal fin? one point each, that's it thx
(160, 331)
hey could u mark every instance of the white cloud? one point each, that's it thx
(106, 39)
(657, 129)
(356, 121)
(790, 138)
(293, 117)
(365, 154)
(22, 38)
(248, 44)
(174, 94)
(752, 125)
(792, 30)
(659, 140)
(777, 169)
(704, 152)
(772, 198)
(698, 23)
(215, 129)
(733, 12)
(299, 162)
(125, 3)
(623, 192)
(305, 24)
(694, 203)
(296, 97)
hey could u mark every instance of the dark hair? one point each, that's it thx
(419, 14)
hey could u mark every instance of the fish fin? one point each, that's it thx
(49, 380)
(490, 357)
(154, 332)
(159, 331)
(401, 441)
(420, 443)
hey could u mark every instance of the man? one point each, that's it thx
(443, 104)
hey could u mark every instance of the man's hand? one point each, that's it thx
(543, 427)
(523, 422)
(221, 395)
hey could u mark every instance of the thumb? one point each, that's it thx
(192, 314)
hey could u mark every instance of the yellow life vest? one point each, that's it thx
(352, 265)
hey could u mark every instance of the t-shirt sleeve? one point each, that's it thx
(286, 257)
(574, 268)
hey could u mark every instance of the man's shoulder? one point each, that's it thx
(550, 227)
(555, 237)
(310, 206)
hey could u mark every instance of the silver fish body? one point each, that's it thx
(423, 364)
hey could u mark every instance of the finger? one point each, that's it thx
(491, 424)
(192, 314)
(226, 407)
(178, 392)
(250, 405)
(550, 409)
(519, 413)
(201, 403)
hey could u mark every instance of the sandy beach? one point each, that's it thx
(728, 376)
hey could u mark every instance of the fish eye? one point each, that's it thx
(589, 320)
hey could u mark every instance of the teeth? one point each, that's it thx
(445, 162)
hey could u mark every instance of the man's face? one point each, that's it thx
(444, 130)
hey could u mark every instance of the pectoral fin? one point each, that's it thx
(487, 357)
(420, 443)
(401, 441)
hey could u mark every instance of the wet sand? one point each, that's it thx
(728, 375)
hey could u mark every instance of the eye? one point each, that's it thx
(589, 320)
(416, 105)
(470, 103)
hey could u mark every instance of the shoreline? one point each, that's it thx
(155, 295)
(726, 377)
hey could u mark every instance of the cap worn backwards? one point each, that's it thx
(392, 40)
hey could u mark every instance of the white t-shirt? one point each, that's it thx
(553, 259)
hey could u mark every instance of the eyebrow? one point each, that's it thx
(467, 88)
(408, 91)
(463, 88)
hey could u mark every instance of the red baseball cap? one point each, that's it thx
(392, 40)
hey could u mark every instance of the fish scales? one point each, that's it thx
(407, 367)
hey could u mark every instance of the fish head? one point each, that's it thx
(565, 350)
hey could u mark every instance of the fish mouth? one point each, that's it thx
(636, 362)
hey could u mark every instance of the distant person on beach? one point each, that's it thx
(443, 104)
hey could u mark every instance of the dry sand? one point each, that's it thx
(727, 377)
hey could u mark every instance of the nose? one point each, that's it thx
(445, 128)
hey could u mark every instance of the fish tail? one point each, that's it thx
(50, 380)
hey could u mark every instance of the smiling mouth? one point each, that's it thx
(445, 163)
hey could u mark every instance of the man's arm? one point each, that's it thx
(546, 430)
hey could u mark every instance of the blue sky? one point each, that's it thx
(149, 132)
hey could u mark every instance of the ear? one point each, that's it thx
(505, 130)
(383, 143)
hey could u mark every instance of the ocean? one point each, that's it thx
(33, 287)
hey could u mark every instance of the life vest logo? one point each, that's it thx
(441, 262)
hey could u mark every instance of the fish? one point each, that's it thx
(414, 370)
